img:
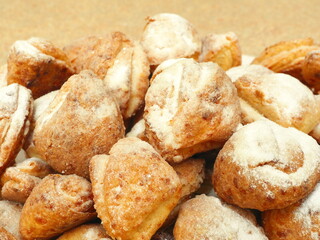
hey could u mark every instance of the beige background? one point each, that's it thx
(258, 23)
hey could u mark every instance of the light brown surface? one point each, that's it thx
(205, 217)
(134, 189)
(38, 65)
(18, 181)
(298, 221)
(191, 114)
(81, 121)
(57, 204)
(258, 23)
(15, 112)
(269, 170)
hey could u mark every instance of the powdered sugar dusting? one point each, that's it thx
(265, 155)
(288, 92)
(161, 116)
(52, 108)
(179, 93)
(14, 110)
(307, 209)
(42, 103)
(118, 77)
(9, 217)
(28, 49)
(217, 220)
(93, 233)
(236, 72)
(168, 36)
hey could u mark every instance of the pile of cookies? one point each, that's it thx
(169, 137)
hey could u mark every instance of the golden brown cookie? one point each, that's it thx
(190, 107)
(205, 217)
(134, 189)
(15, 114)
(18, 181)
(223, 49)
(83, 120)
(122, 64)
(298, 221)
(168, 36)
(280, 98)
(266, 166)
(287, 56)
(10, 216)
(57, 204)
(38, 65)
(94, 231)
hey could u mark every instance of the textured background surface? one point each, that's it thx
(258, 23)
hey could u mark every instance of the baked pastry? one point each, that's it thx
(42, 103)
(18, 181)
(3, 75)
(122, 64)
(270, 170)
(134, 189)
(9, 217)
(5, 235)
(57, 204)
(38, 65)
(256, 70)
(311, 70)
(280, 98)
(191, 175)
(93, 231)
(96, 53)
(190, 107)
(223, 49)
(298, 221)
(168, 36)
(83, 120)
(287, 56)
(205, 217)
(39, 106)
(248, 113)
(15, 114)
